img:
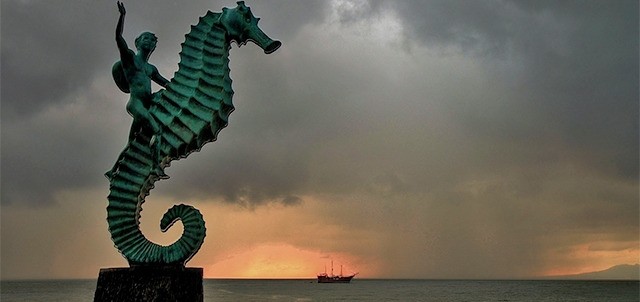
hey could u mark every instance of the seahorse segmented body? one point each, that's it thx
(192, 110)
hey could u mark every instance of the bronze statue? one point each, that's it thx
(171, 124)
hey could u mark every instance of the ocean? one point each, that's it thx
(223, 290)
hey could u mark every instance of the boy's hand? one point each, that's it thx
(121, 8)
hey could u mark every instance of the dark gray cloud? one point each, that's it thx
(51, 54)
(48, 52)
(571, 66)
(285, 18)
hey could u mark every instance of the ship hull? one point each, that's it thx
(334, 279)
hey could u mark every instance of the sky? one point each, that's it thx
(400, 139)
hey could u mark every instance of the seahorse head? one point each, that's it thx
(242, 26)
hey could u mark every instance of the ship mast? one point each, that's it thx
(331, 268)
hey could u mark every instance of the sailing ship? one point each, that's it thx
(326, 278)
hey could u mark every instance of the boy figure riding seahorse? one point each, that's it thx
(133, 75)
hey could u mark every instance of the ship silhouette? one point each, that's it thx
(326, 278)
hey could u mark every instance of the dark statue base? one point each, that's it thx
(150, 284)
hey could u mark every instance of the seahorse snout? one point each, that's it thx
(271, 47)
(263, 41)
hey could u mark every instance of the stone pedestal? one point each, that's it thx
(149, 284)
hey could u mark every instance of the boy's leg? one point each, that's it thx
(157, 131)
(141, 114)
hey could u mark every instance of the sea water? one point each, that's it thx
(220, 290)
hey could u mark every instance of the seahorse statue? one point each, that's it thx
(191, 110)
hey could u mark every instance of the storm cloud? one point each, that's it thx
(500, 138)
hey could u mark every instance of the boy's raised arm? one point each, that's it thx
(122, 44)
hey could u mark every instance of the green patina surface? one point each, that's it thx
(172, 123)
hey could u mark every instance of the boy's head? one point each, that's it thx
(146, 40)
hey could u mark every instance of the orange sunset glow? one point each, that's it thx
(270, 261)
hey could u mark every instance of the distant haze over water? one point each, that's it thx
(618, 272)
